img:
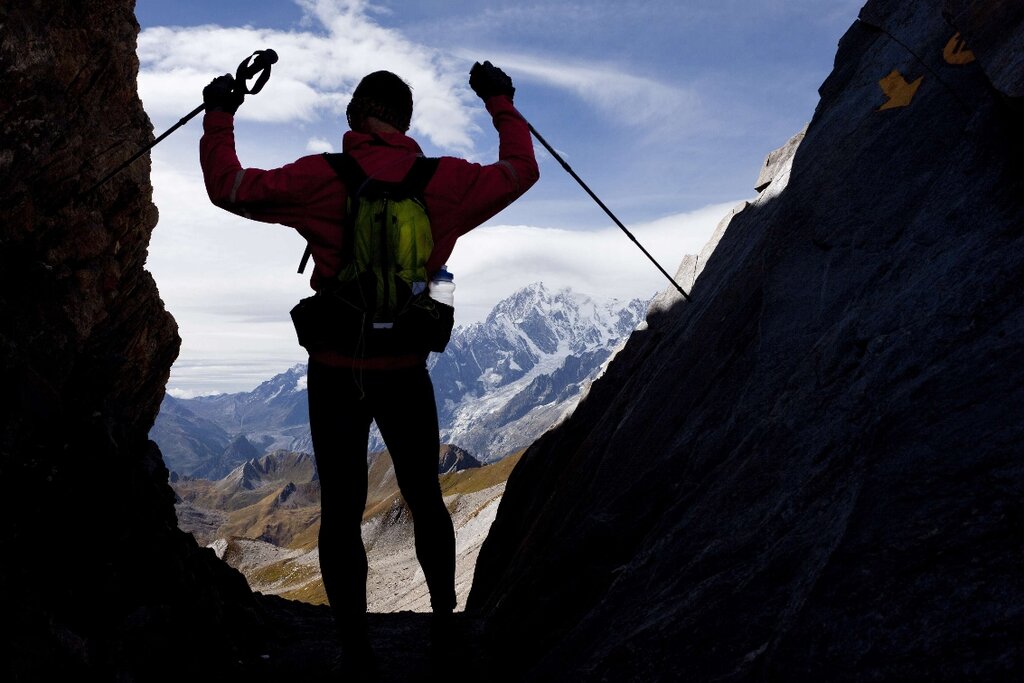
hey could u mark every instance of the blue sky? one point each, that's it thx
(666, 109)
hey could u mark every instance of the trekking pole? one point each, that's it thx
(258, 62)
(593, 196)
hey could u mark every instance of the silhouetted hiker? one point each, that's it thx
(347, 390)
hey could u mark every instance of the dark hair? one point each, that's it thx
(382, 95)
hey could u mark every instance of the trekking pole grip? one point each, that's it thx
(259, 62)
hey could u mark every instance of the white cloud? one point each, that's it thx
(319, 67)
(491, 263)
(632, 100)
(316, 73)
(205, 258)
(319, 145)
(183, 393)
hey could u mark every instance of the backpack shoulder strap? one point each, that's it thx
(357, 182)
(423, 169)
(349, 170)
(353, 176)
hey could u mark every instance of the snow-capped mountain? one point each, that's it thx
(499, 385)
(209, 436)
(503, 382)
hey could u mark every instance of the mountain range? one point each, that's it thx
(499, 385)
(263, 519)
(810, 472)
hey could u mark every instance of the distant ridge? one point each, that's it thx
(500, 384)
(263, 518)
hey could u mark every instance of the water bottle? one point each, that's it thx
(442, 287)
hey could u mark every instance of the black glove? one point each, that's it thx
(487, 80)
(220, 95)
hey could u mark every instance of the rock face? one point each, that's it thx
(97, 578)
(455, 459)
(813, 471)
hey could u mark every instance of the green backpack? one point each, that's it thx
(379, 304)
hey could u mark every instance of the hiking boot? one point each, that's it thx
(356, 661)
(444, 639)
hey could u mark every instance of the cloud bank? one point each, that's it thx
(230, 282)
(316, 73)
(320, 66)
(492, 262)
(637, 101)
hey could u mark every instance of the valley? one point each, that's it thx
(263, 519)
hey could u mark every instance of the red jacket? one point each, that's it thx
(309, 196)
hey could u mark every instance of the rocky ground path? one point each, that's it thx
(302, 647)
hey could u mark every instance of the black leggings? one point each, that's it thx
(342, 404)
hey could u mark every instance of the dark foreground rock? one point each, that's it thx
(302, 648)
(97, 582)
(814, 470)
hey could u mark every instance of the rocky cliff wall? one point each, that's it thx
(814, 470)
(96, 577)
